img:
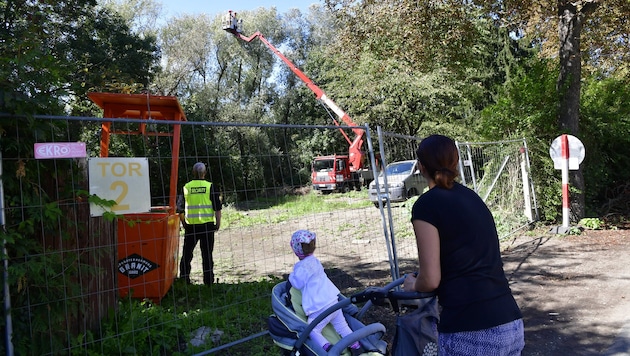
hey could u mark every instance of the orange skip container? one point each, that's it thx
(148, 249)
(148, 243)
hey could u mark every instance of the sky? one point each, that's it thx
(211, 7)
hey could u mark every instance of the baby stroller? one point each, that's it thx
(416, 328)
(416, 332)
(290, 331)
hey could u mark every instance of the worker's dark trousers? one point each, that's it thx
(205, 234)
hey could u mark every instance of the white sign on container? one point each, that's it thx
(124, 180)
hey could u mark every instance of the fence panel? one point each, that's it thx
(497, 171)
(66, 267)
(500, 173)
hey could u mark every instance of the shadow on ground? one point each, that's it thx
(574, 291)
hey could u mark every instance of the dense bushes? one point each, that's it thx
(526, 107)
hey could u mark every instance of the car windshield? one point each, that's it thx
(399, 168)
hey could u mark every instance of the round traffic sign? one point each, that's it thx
(576, 152)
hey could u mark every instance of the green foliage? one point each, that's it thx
(591, 223)
(105, 37)
(140, 327)
(41, 288)
(424, 34)
(433, 64)
(52, 51)
(41, 279)
(605, 124)
(104, 203)
(33, 67)
(525, 108)
(396, 98)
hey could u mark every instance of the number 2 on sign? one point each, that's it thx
(124, 190)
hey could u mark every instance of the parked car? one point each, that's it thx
(404, 181)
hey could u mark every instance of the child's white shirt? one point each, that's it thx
(318, 291)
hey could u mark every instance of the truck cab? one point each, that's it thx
(332, 174)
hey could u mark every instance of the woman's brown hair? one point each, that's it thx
(439, 157)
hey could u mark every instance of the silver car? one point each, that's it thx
(404, 181)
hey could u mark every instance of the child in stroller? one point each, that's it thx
(320, 302)
(318, 291)
(415, 334)
(290, 330)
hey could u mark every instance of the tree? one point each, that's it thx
(141, 16)
(428, 33)
(598, 28)
(53, 52)
(34, 67)
(108, 57)
(412, 62)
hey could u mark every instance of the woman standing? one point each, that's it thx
(460, 259)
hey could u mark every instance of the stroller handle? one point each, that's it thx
(377, 296)
(357, 335)
(337, 349)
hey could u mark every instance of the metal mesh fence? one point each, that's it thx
(86, 284)
(498, 171)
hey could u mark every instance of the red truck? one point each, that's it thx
(332, 173)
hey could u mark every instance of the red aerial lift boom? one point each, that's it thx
(355, 156)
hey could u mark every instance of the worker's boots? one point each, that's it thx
(208, 278)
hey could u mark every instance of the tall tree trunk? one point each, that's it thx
(570, 68)
(568, 86)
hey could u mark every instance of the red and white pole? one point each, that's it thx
(565, 180)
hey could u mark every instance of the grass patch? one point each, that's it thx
(280, 209)
(141, 327)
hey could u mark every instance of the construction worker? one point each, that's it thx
(201, 219)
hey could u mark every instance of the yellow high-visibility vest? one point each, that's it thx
(199, 208)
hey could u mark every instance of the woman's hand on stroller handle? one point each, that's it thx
(409, 282)
(389, 292)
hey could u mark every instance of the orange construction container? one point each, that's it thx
(148, 242)
(148, 254)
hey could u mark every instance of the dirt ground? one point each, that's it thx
(573, 290)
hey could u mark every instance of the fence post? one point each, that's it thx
(526, 193)
(565, 181)
(461, 164)
(8, 332)
(388, 227)
(473, 174)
